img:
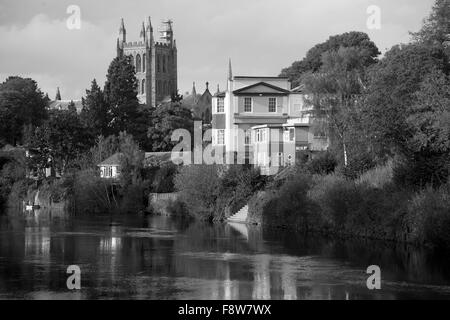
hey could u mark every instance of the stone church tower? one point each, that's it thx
(155, 62)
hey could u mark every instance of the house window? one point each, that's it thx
(221, 137)
(247, 137)
(289, 135)
(258, 135)
(272, 104)
(247, 104)
(220, 105)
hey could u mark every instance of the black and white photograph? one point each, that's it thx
(239, 152)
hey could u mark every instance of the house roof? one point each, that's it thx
(158, 158)
(264, 77)
(264, 90)
(299, 89)
(114, 160)
(64, 105)
(220, 94)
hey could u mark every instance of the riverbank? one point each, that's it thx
(372, 206)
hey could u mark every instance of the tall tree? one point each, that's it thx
(436, 28)
(392, 87)
(62, 138)
(335, 91)
(21, 103)
(313, 59)
(94, 114)
(165, 119)
(121, 94)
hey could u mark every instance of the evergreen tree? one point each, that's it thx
(94, 114)
(121, 95)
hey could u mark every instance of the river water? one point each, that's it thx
(153, 257)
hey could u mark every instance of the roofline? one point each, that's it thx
(282, 91)
(263, 77)
(269, 125)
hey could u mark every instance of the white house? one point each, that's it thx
(110, 168)
(263, 121)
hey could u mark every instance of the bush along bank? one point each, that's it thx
(371, 206)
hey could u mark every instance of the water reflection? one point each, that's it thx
(161, 258)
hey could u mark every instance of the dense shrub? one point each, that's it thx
(358, 164)
(429, 217)
(419, 171)
(198, 187)
(91, 194)
(379, 176)
(292, 206)
(163, 179)
(323, 164)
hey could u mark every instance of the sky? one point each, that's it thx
(260, 36)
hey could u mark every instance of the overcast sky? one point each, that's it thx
(260, 36)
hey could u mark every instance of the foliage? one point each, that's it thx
(21, 104)
(323, 164)
(335, 91)
(436, 28)
(429, 217)
(131, 161)
(430, 115)
(313, 60)
(60, 140)
(163, 180)
(94, 114)
(12, 170)
(121, 95)
(198, 186)
(392, 90)
(165, 119)
(378, 177)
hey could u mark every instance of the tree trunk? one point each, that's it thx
(345, 154)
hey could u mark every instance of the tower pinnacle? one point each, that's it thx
(58, 94)
(230, 72)
(123, 31)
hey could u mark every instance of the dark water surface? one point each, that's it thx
(136, 257)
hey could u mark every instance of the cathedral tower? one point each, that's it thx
(155, 62)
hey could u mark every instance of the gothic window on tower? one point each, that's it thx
(158, 63)
(164, 64)
(143, 62)
(143, 86)
(138, 63)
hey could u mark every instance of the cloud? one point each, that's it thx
(261, 36)
(54, 56)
